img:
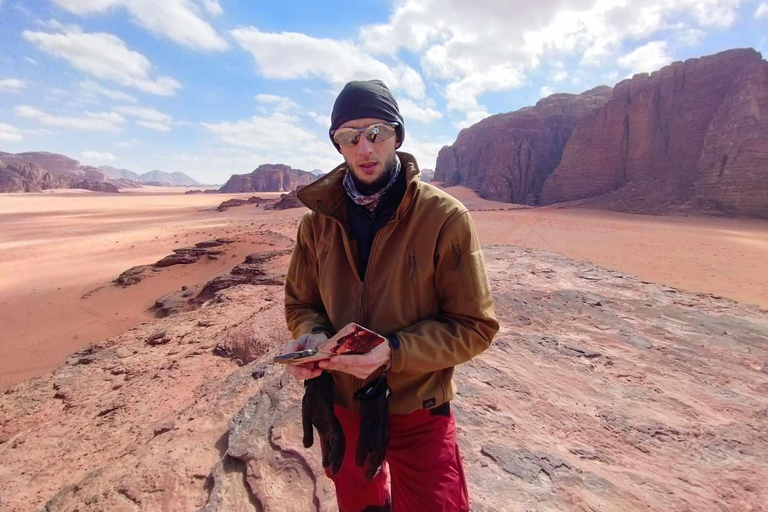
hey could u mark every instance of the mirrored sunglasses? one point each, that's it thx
(374, 133)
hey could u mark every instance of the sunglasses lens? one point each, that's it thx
(379, 132)
(346, 137)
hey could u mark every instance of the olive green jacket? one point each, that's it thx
(426, 283)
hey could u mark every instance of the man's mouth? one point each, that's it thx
(368, 167)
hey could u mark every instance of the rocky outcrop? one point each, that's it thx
(269, 178)
(96, 186)
(507, 157)
(694, 134)
(173, 179)
(51, 162)
(286, 201)
(601, 392)
(116, 173)
(427, 175)
(234, 202)
(37, 171)
(21, 176)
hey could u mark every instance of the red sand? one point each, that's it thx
(59, 246)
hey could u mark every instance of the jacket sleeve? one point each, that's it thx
(467, 321)
(304, 310)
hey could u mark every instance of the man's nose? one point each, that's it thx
(364, 146)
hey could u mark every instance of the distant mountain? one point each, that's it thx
(51, 162)
(427, 175)
(175, 179)
(318, 172)
(115, 173)
(269, 178)
(37, 171)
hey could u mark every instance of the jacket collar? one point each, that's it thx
(327, 194)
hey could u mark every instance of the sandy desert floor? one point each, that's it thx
(60, 251)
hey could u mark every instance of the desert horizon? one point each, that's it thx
(63, 249)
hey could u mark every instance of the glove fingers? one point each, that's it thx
(326, 451)
(372, 465)
(337, 452)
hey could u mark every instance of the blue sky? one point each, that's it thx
(216, 87)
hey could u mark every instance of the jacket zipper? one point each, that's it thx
(362, 306)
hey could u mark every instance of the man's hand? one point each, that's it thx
(305, 342)
(361, 366)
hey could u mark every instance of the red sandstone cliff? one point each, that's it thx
(507, 157)
(269, 178)
(25, 173)
(693, 134)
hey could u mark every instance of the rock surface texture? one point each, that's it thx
(269, 178)
(694, 134)
(507, 157)
(601, 392)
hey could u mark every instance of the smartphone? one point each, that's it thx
(294, 357)
(351, 339)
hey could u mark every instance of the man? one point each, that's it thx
(402, 258)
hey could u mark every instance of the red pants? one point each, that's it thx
(422, 471)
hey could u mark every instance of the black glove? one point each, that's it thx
(374, 425)
(317, 410)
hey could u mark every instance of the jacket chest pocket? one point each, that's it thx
(412, 277)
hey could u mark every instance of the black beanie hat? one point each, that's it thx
(361, 99)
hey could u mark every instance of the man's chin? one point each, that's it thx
(365, 178)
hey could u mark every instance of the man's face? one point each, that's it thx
(369, 161)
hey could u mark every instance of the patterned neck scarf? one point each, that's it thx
(369, 201)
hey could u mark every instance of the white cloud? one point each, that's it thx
(463, 94)
(558, 73)
(424, 151)
(762, 11)
(103, 56)
(53, 24)
(92, 88)
(646, 58)
(690, 36)
(411, 110)
(31, 61)
(324, 121)
(277, 138)
(148, 117)
(12, 84)
(220, 163)
(290, 55)
(545, 91)
(95, 122)
(10, 133)
(127, 143)
(177, 20)
(278, 103)
(491, 45)
(96, 157)
(152, 125)
(213, 7)
(472, 117)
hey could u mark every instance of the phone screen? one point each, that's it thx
(294, 356)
